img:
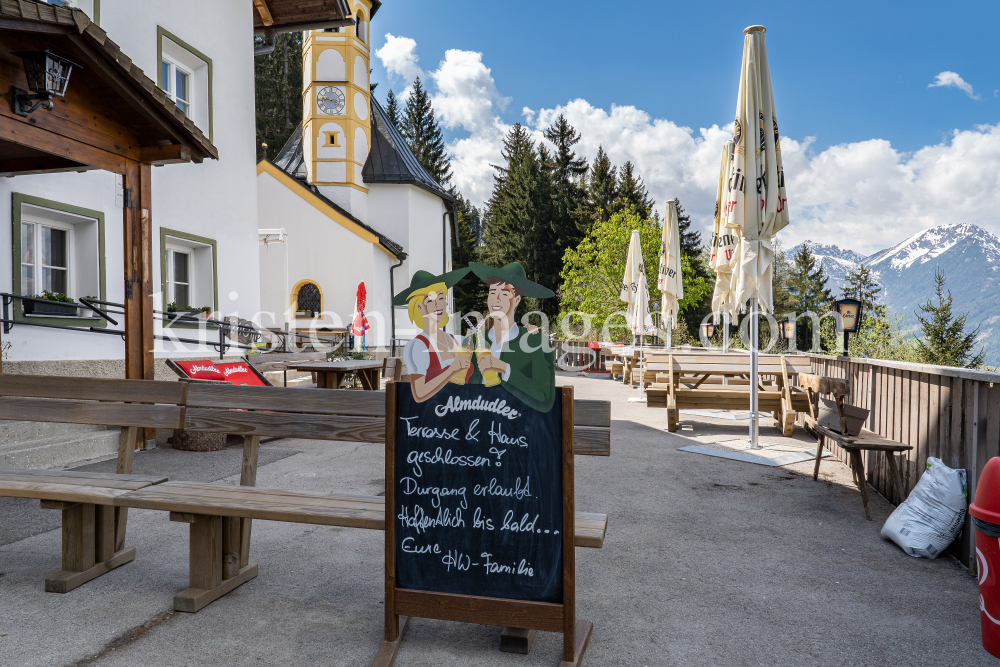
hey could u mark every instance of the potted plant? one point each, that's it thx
(177, 313)
(54, 303)
(304, 314)
(205, 312)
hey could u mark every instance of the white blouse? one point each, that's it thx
(417, 355)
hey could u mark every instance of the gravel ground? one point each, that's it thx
(707, 561)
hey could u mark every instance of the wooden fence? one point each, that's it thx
(950, 413)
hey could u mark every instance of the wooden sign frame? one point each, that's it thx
(402, 604)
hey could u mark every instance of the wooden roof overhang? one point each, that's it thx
(112, 112)
(296, 15)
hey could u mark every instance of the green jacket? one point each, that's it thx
(532, 374)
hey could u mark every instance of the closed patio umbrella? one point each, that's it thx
(757, 199)
(634, 268)
(669, 280)
(725, 243)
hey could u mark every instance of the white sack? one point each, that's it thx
(929, 519)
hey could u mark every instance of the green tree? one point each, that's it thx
(592, 274)
(882, 335)
(632, 192)
(690, 238)
(422, 132)
(278, 93)
(470, 294)
(807, 290)
(392, 109)
(602, 189)
(945, 342)
(517, 220)
(862, 286)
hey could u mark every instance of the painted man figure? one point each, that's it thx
(518, 356)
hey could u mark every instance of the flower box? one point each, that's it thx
(50, 308)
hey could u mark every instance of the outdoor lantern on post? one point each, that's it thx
(48, 77)
(707, 330)
(850, 318)
(788, 332)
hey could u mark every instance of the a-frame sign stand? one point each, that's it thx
(402, 604)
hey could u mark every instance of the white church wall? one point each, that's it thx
(323, 251)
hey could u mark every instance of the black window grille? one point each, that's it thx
(309, 298)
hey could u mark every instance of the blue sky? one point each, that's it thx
(843, 74)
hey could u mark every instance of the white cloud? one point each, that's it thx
(864, 195)
(399, 57)
(953, 80)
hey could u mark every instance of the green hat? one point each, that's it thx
(513, 274)
(422, 279)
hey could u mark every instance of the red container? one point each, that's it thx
(985, 513)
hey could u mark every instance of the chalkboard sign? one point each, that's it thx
(478, 495)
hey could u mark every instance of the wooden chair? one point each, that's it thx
(854, 446)
(392, 369)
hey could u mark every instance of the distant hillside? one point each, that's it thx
(969, 257)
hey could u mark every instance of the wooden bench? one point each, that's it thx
(688, 387)
(93, 531)
(215, 512)
(866, 440)
(339, 415)
(331, 414)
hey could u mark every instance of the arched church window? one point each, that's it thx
(309, 299)
(361, 29)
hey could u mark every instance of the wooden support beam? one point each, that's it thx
(26, 134)
(265, 13)
(40, 164)
(161, 155)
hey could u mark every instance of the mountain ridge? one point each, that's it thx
(968, 255)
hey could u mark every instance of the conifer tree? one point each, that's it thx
(278, 93)
(945, 342)
(690, 238)
(422, 132)
(632, 192)
(517, 225)
(566, 172)
(862, 286)
(392, 108)
(602, 189)
(470, 295)
(806, 285)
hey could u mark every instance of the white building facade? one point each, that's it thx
(66, 229)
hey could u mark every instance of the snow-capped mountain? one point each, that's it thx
(968, 255)
(837, 262)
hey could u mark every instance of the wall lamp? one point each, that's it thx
(48, 77)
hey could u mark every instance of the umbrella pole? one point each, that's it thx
(725, 333)
(754, 413)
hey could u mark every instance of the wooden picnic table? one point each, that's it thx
(330, 374)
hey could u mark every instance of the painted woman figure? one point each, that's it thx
(434, 357)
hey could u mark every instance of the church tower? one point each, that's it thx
(336, 110)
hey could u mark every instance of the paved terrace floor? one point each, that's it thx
(707, 562)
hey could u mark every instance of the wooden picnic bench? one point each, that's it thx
(688, 386)
(866, 440)
(93, 530)
(220, 516)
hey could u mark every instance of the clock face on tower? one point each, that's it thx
(330, 100)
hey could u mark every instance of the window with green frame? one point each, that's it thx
(57, 248)
(189, 271)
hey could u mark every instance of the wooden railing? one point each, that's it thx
(950, 413)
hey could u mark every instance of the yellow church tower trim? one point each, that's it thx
(336, 127)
